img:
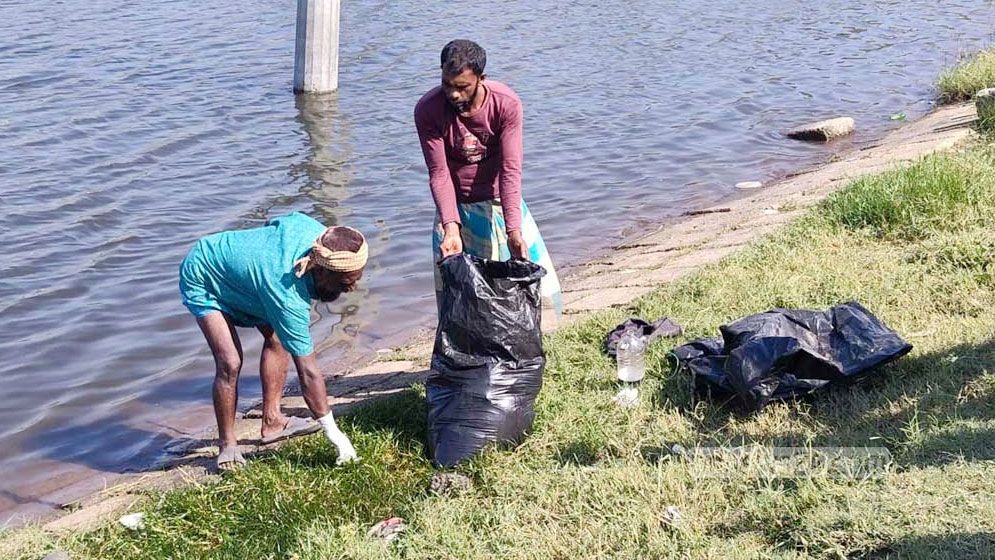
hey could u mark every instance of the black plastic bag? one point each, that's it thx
(663, 327)
(488, 360)
(786, 353)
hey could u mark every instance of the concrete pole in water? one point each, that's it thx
(316, 56)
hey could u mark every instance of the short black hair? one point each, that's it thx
(461, 54)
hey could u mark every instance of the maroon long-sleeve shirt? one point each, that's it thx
(476, 157)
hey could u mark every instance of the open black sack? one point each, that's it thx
(488, 360)
(786, 353)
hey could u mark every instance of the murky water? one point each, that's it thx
(128, 130)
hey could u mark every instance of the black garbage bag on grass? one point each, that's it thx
(786, 353)
(488, 360)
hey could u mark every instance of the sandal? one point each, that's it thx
(296, 426)
(230, 459)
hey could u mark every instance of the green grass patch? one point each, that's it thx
(594, 480)
(961, 82)
(938, 193)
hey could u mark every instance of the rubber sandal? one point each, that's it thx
(296, 426)
(232, 457)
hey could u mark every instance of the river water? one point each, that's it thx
(130, 129)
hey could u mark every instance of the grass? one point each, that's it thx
(961, 82)
(938, 194)
(914, 245)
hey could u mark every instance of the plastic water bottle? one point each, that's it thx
(631, 357)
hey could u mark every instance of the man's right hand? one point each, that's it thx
(452, 242)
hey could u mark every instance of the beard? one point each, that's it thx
(465, 106)
(326, 294)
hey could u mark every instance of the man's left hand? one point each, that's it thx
(517, 246)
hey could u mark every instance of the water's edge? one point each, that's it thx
(107, 502)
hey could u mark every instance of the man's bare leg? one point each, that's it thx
(227, 351)
(274, 361)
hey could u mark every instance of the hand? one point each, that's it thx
(517, 246)
(347, 453)
(452, 243)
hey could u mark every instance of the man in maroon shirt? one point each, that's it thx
(470, 128)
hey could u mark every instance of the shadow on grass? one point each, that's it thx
(935, 547)
(399, 418)
(927, 410)
(403, 413)
(579, 453)
(788, 529)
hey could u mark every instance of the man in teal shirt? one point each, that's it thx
(266, 278)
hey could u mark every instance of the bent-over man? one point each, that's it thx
(265, 278)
